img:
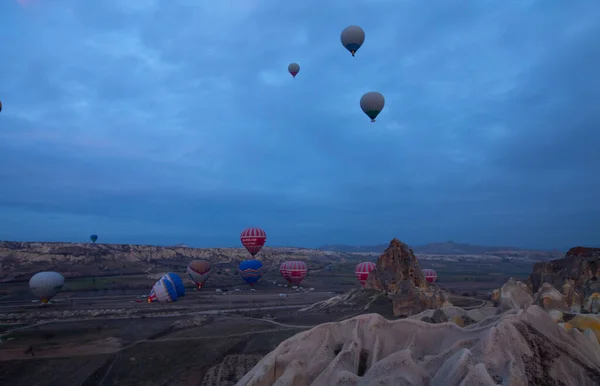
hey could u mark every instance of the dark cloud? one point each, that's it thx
(166, 122)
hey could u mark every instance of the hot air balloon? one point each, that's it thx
(199, 271)
(93, 238)
(251, 271)
(177, 283)
(45, 285)
(371, 104)
(163, 291)
(362, 271)
(430, 275)
(296, 271)
(294, 69)
(253, 239)
(352, 38)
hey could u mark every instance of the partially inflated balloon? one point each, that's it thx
(199, 271)
(371, 104)
(294, 69)
(93, 238)
(45, 285)
(251, 271)
(163, 291)
(253, 239)
(177, 283)
(352, 38)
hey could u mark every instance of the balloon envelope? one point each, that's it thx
(251, 271)
(294, 69)
(371, 104)
(253, 239)
(362, 271)
(45, 285)
(177, 283)
(199, 271)
(430, 275)
(163, 291)
(93, 238)
(296, 271)
(352, 38)
(283, 271)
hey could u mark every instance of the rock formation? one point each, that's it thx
(523, 347)
(398, 275)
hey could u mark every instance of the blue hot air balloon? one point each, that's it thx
(93, 238)
(175, 279)
(163, 291)
(251, 271)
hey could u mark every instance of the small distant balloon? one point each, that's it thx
(294, 69)
(93, 238)
(199, 271)
(371, 104)
(0, 106)
(253, 240)
(352, 38)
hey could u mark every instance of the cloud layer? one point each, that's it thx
(176, 121)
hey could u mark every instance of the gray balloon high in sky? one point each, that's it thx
(371, 104)
(352, 38)
(294, 69)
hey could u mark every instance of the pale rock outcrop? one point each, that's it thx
(512, 295)
(519, 348)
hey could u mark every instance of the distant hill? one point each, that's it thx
(447, 248)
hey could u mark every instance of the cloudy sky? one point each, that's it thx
(175, 121)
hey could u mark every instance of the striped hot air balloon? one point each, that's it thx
(163, 291)
(199, 271)
(362, 271)
(251, 271)
(296, 271)
(430, 275)
(253, 239)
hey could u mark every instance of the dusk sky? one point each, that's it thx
(165, 122)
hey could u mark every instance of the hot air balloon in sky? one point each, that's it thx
(430, 275)
(177, 283)
(199, 271)
(93, 238)
(296, 271)
(163, 291)
(352, 38)
(45, 285)
(253, 239)
(362, 271)
(251, 271)
(371, 104)
(294, 69)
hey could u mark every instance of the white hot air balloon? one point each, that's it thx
(352, 38)
(163, 291)
(371, 104)
(45, 285)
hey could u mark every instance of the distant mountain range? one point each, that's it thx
(447, 248)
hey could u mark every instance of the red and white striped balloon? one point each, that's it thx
(362, 271)
(430, 275)
(283, 271)
(296, 271)
(253, 239)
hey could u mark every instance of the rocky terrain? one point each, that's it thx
(545, 331)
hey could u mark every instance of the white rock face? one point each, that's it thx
(517, 348)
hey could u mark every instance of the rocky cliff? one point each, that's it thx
(575, 275)
(398, 275)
